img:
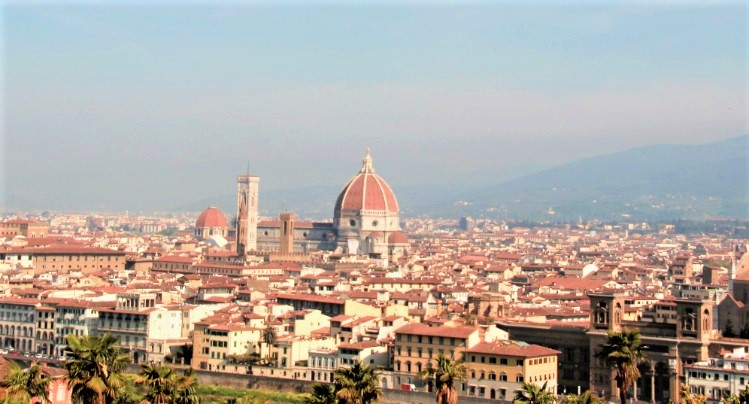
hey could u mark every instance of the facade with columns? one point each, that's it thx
(670, 346)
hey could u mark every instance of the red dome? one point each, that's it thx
(213, 218)
(367, 191)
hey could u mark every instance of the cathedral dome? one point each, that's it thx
(211, 218)
(367, 191)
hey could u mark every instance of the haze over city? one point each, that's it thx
(152, 107)
(399, 202)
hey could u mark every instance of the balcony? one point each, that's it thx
(131, 330)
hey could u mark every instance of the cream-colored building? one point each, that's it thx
(717, 377)
(293, 351)
(214, 345)
(146, 330)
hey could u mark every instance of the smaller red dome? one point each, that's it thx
(398, 238)
(213, 218)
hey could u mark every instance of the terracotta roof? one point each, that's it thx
(512, 348)
(397, 238)
(367, 191)
(441, 331)
(211, 217)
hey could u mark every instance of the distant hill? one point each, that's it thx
(651, 182)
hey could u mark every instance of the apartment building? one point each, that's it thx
(146, 330)
(76, 317)
(18, 323)
(497, 369)
(716, 377)
(417, 346)
(214, 345)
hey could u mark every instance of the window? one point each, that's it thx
(519, 378)
(503, 361)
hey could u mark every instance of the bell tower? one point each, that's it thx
(287, 233)
(247, 195)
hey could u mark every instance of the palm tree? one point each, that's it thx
(623, 352)
(269, 335)
(322, 394)
(585, 398)
(25, 384)
(533, 394)
(165, 386)
(445, 374)
(358, 384)
(94, 365)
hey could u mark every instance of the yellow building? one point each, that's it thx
(418, 345)
(497, 369)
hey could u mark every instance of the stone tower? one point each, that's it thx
(287, 233)
(247, 194)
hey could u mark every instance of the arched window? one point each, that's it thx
(519, 378)
(705, 320)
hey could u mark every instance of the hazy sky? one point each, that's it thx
(149, 106)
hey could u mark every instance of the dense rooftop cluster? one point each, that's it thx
(515, 304)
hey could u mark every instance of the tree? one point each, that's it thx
(728, 331)
(745, 331)
(687, 397)
(623, 352)
(94, 365)
(165, 386)
(729, 399)
(445, 373)
(585, 398)
(358, 384)
(269, 335)
(322, 394)
(533, 394)
(25, 384)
